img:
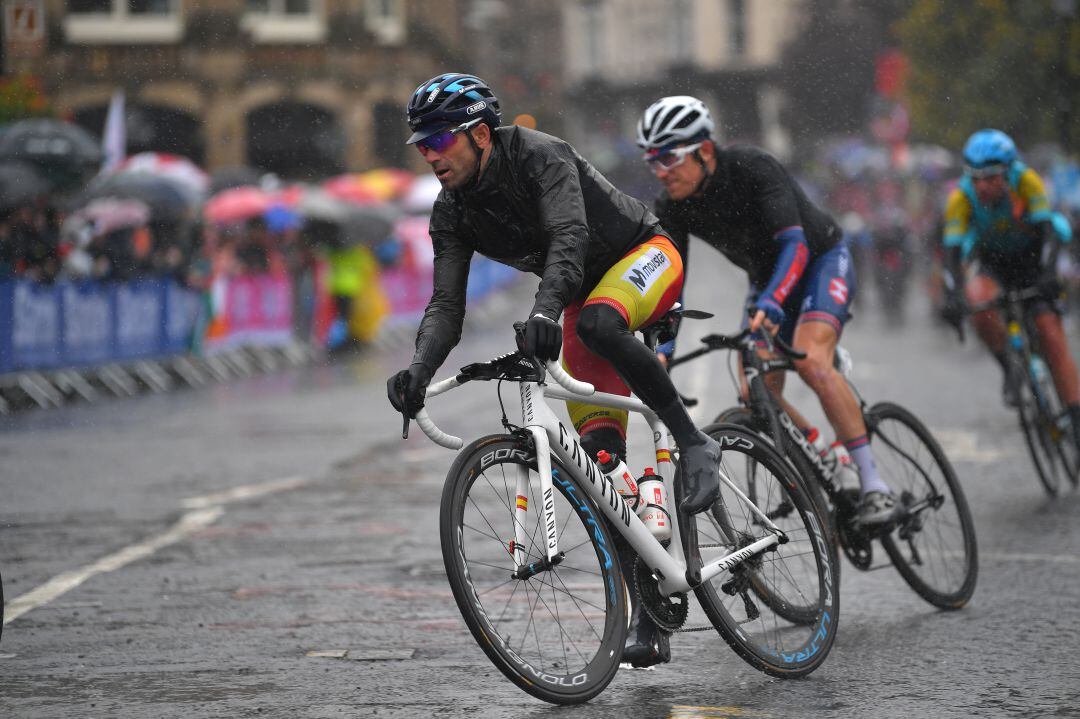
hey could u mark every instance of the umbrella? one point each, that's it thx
(167, 201)
(358, 224)
(107, 214)
(237, 205)
(421, 196)
(174, 168)
(20, 183)
(382, 185)
(66, 152)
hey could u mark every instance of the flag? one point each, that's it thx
(115, 137)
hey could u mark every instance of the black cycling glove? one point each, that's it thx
(407, 388)
(543, 338)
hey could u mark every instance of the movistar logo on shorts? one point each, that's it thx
(643, 273)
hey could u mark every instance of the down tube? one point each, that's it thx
(565, 445)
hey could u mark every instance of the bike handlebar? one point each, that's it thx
(715, 342)
(444, 439)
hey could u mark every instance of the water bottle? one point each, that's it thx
(844, 469)
(1039, 370)
(817, 441)
(654, 513)
(624, 482)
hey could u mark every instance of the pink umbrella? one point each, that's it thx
(350, 189)
(236, 205)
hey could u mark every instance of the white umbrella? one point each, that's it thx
(422, 194)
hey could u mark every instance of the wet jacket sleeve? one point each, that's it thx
(780, 213)
(440, 329)
(794, 253)
(553, 178)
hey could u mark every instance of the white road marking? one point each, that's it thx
(245, 491)
(62, 583)
(204, 511)
(1029, 557)
(961, 445)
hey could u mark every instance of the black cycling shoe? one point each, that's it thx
(700, 474)
(646, 643)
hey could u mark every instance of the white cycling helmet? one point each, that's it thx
(679, 119)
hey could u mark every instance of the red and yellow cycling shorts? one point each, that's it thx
(642, 286)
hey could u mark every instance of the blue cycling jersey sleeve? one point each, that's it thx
(790, 264)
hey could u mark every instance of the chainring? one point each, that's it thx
(669, 613)
(857, 544)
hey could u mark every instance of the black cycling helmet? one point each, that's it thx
(450, 100)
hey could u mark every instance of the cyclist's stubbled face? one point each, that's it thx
(685, 178)
(989, 189)
(455, 165)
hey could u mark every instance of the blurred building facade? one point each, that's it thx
(312, 87)
(621, 55)
(298, 87)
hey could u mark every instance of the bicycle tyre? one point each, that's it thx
(796, 577)
(1040, 446)
(942, 567)
(578, 660)
(744, 417)
(1056, 438)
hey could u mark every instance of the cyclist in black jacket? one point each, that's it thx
(529, 200)
(743, 202)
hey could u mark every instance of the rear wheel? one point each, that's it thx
(557, 633)
(932, 545)
(778, 610)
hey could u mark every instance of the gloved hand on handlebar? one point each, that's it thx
(766, 308)
(407, 388)
(543, 338)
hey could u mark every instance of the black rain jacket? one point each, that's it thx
(539, 207)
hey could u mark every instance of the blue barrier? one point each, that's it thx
(487, 275)
(74, 324)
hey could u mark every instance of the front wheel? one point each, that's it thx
(779, 609)
(1047, 428)
(558, 632)
(932, 544)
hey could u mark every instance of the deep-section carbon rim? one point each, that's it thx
(558, 634)
(779, 610)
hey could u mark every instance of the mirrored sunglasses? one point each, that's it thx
(440, 141)
(668, 159)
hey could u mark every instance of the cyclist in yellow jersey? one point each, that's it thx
(1001, 233)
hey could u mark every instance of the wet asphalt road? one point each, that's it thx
(221, 550)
